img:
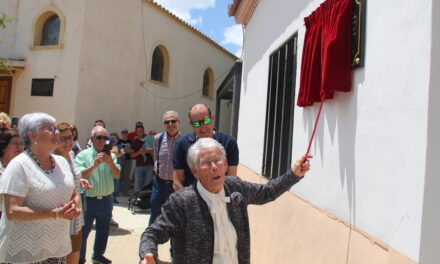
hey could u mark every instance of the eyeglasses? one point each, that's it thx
(101, 137)
(51, 128)
(17, 144)
(65, 139)
(204, 121)
(208, 163)
(167, 122)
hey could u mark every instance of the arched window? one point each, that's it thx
(208, 79)
(159, 65)
(51, 31)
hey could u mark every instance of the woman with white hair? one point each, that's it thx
(208, 221)
(39, 198)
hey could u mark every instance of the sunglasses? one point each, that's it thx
(167, 122)
(204, 121)
(101, 137)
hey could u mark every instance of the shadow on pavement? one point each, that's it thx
(116, 231)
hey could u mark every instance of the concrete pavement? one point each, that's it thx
(123, 244)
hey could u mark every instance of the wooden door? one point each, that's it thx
(5, 93)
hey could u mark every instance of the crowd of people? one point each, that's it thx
(52, 190)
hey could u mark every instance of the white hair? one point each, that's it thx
(171, 112)
(31, 123)
(201, 144)
(96, 129)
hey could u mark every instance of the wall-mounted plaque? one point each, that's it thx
(358, 34)
(42, 87)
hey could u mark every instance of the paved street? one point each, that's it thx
(123, 242)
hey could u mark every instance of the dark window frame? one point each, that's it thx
(280, 106)
(48, 37)
(158, 65)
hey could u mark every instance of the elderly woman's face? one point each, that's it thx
(211, 170)
(47, 136)
(15, 147)
(66, 141)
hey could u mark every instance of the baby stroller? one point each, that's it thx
(140, 199)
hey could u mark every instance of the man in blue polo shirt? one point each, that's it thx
(202, 121)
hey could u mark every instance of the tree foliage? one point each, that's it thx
(4, 21)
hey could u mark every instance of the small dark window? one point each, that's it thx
(42, 87)
(158, 64)
(51, 31)
(206, 83)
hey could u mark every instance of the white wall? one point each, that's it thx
(370, 145)
(60, 64)
(115, 61)
(430, 240)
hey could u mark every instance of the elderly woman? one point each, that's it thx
(208, 221)
(39, 197)
(64, 149)
(11, 145)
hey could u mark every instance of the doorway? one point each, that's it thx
(5, 93)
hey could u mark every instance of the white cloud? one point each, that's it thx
(238, 52)
(233, 35)
(182, 8)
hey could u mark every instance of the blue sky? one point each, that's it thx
(211, 18)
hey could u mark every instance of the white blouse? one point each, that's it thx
(2, 169)
(225, 236)
(36, 240)
(77, 223)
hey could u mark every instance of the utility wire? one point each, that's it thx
(146, 88)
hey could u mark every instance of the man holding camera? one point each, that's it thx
(99, 166)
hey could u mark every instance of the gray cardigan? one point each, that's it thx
(186, 219)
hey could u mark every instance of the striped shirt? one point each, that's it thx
(165, 156)
(101, 177)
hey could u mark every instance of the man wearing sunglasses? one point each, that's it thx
(163, 147)
(201, 119)
(99, 169)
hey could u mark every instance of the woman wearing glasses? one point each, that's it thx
(39, 195)
(64, 149)
(11, 145)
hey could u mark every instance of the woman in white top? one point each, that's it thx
(11, 145)
(64, 149)
(39, 197)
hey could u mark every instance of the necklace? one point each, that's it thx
(52, 161)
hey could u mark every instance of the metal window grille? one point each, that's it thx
(280, 110)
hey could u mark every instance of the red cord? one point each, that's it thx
(314, 128)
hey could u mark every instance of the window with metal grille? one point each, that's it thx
(280, 107)
(42, 87)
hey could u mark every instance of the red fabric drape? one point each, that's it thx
(326, 66)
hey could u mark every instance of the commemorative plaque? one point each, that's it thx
(358, 34)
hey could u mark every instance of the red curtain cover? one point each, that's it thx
(326, 66)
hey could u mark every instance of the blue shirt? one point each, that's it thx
(185, 141)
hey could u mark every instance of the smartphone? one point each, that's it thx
(106, 149)
(14, 122)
